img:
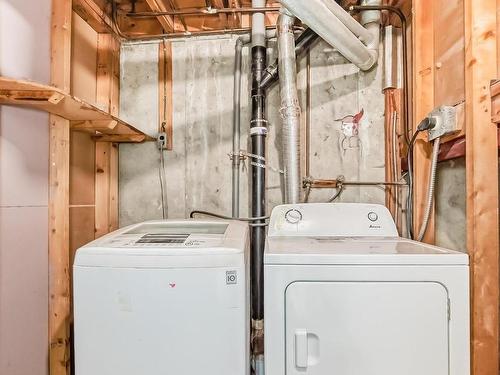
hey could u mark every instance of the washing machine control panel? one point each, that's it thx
(332, 219)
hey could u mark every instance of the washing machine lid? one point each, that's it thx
(358, 250)
(194, 243)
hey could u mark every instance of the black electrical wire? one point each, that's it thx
(245, 219)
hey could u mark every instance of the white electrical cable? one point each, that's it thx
(163, 187)
(430, 192)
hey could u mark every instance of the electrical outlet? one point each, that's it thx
(161, 141)
(446, 122)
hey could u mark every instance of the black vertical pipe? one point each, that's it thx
(258, 132)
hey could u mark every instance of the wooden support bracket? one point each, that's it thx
(121, 138)
(103, 126)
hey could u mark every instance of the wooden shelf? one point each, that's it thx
(83, 116)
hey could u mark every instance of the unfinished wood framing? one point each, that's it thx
(423, 92)
(102, 187)
(108, 73)
(167, 22)
(59, 258)
(94, 15)
(482, 183)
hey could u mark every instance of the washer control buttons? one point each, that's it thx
(372, 216)
(293, 216)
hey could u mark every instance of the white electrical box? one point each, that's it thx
(345, 295)
(164, 297)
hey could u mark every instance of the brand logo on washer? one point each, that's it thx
(231, 277)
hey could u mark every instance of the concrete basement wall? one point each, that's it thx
(24, 152)
(451, 200)
(199, 169)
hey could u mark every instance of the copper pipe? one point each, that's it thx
(334, 184)
(308, 114)
(188, 34)
(322, 184)
(203, 12)
(408, 128)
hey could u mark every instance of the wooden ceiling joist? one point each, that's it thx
(222, 17)
(92, 13)
(167, 22)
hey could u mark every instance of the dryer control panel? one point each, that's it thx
(332, 220)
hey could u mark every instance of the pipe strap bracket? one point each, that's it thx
(291, 111)
(260, 162)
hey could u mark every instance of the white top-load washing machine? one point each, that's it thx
(163, 297)
(344, 295)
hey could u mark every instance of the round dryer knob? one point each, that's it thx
(372, 216)
(293, 216)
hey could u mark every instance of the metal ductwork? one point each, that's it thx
(290, 109)
(332, 23)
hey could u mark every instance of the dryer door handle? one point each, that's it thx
(301, 348)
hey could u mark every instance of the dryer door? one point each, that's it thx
(367, 328)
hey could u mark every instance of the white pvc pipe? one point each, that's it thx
(329, 22)
(259, 24)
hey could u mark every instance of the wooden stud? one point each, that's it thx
(482, 183)
(108, 73)
(59, 158)
(423, 92)
(59, 267)
(165, 96)
(113, 187)
(104, 71)
(60, 68)
(106, 188)
(115, 79)
(102, 185)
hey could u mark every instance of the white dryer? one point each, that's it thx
(163, 297)
(345, 295)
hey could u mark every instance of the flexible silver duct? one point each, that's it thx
(290, 109)
(339, 29)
